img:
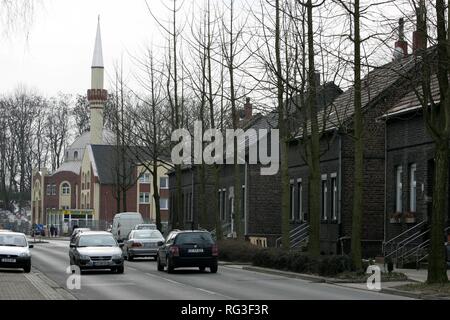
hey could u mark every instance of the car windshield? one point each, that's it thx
(148, 234)
(10, 240)
(97, 241)
(195, 238)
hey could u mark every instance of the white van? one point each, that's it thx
(123, 223)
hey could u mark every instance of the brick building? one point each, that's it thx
(84, 189)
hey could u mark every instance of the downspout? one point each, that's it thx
(245, 199)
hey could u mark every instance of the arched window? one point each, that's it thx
(65, 188)
(75, 155)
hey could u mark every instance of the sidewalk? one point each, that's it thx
(15, 285)
(417, 275)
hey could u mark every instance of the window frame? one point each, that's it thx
(399, 188)
(413, 187)
(324, 197)
(334, 197)
(144, 198)
(167, 182)
(300, 215)
(161, 207)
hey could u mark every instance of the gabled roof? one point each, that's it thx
(410, 102)
(107, 160)
(374, 86)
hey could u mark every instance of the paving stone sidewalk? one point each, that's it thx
(32, 286)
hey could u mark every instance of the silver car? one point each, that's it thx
(96, 250)
(15, 251)
(142, 243)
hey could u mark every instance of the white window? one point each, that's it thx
(300, 200)
(164, 183)
(334, 197)
(65, 189)
(399, 189)
(145, 178)
(292, 200)
(144, 198)
(324, 192)
(53, 189)
(49, 189)
(163, 204)
(413, 188)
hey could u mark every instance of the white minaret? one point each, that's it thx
(97, 95)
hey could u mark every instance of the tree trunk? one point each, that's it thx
(437, 267)
(314, 144)
(359, 148)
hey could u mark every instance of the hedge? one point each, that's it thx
(295, 261)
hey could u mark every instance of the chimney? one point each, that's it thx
(401, 46)
(419, 36)
(248, 110)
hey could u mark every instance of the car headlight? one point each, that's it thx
(117, 257)
(25, 255)
(83, 257)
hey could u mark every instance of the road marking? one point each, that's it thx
(131, 268)
(186, 285)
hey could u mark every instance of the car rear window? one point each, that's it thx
(147, 234)
(199, 237)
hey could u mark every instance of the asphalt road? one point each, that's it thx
(141, 280)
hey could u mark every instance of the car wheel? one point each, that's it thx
(202, 268)
(120, 270)
(213, 268)
(159, 265)
(27, 268)
(170, 267)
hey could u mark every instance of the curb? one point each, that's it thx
(340, 282)
(47, 287)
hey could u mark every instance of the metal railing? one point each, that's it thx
(389, 247)
(296, 236)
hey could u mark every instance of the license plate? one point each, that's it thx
(9, 260)
(195, 250)
(101, 263)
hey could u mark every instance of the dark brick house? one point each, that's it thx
(410, 164)
(382, 88)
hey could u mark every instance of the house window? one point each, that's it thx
(292, 200)
(65, 208)
(164, 182)
(144, 197)
(53, 189)
(75, 155)
(49, 189)
(163, 204)
(65, 189)
(144, 178)
(334, 197)
(324, 192)
(300, 200)
(413, 188)
(398, 189)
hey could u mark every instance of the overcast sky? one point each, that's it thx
(58, 53)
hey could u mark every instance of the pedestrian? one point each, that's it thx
(51, 231)
(56, 232)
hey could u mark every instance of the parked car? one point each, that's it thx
(192, 248)
(123, 223)
(15, 251)
(77, 231)
(38, 230)
(4, 230)
(142, 243)
(148, 226)
(96, 250)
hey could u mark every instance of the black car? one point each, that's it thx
(185, 249)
